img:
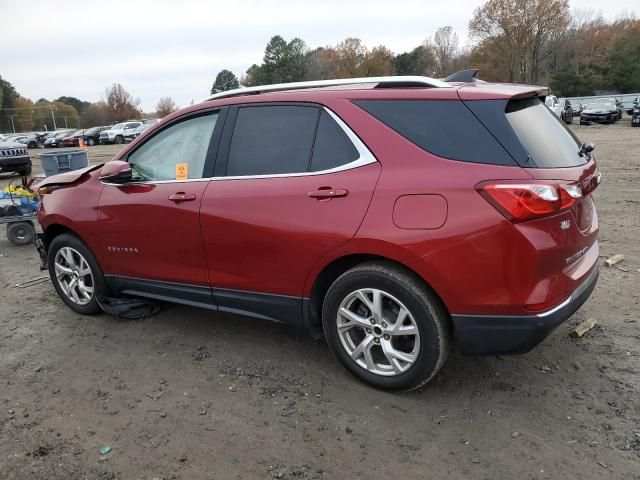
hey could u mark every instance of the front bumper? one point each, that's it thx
(13, 164)
(604, 118)
(510, 335)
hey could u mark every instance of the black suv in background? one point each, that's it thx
(92, 135)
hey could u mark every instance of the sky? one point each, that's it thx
(175, 48)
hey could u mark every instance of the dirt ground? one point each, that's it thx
(191, 394)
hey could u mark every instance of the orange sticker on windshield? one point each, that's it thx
(182, 171)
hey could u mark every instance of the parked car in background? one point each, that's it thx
(135, 133)
(635, 113)
(55, 140)
(92, 135)
(15, 158)
(116, 133)
(566, 114)
(28, 139)
(73, 139)
(554, 105)
(602, 110)
(618, 108)
(321, 205)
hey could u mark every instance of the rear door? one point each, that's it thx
(292, 184)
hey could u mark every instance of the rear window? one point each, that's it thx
(548, 142)
(446, 128)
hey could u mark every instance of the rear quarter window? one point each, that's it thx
(446, 128)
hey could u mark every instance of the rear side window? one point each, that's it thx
(332, 147)
(442, 127)
(548, 142)
(272, 140)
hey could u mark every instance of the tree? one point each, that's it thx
(96, 114)
(165, 106)
(23, 114)
(225, 80)
(376, 63)
(526, 28)
(445, 46)
(65, 115)
(8, 97)
(623, 65)
(78, 104)
(121, 103)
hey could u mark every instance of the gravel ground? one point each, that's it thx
(191, 394)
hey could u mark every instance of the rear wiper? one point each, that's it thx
(586, 148)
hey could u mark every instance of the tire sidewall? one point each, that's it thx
(11, 233)
(99, 284)
(423, 311)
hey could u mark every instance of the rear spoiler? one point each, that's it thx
(65, 178)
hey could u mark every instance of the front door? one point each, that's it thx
(293, 186)
(149, 228)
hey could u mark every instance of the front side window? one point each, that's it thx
(176, 153)
(270, 140)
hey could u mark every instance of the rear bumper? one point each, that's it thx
(508, 335)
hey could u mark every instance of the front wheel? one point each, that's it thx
(91, 142)
(75, 274)
(119, 140)
(386, 327)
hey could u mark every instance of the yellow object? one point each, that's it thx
(18, 191)
(182, 171)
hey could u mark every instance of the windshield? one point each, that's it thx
(547, 140)
(603, 102)
(117, 126)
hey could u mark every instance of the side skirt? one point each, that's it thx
(265, 306)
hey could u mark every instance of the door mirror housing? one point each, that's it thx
(116, 171)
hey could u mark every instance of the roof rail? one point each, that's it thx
(378, 82)
(466, 76)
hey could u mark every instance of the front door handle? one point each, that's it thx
(327, 193)
(182, 197)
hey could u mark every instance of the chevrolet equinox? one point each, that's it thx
(398, 216)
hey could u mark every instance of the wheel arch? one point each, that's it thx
(54, 230)
(312, 307)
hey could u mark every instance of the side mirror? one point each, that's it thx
(116, 171)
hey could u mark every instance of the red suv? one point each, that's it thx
(399, 216)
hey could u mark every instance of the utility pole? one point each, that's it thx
(65, 122)
(13, 127)
(53, 118)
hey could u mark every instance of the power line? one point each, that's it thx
(31, 108)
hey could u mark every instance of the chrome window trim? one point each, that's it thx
(365, 158)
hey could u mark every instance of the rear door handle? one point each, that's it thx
(182, 197)
(326, 193)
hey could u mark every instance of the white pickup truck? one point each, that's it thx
(116, 134)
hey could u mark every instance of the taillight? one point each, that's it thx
(524, 201)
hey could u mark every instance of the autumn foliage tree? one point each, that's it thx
(121, 104)
(165, 106)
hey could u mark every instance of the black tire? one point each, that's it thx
(26, 171)
(32, 144)
(569, 120)
(21, 233)
(119, 140)
(91, 142)
(430, 316)
(99, 284)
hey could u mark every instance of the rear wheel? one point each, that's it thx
(75, 274)
(386, 327)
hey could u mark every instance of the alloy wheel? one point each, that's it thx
(74, 275)
(378, 332)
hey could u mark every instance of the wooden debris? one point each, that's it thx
(583, 328)
(610, 262)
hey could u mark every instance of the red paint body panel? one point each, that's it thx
(164, 236)
(266, 234)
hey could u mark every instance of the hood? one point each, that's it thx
(598, 110)
(66, 177)
(4, 145)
